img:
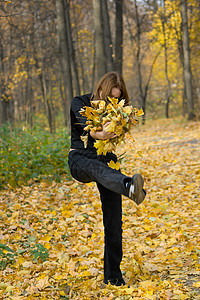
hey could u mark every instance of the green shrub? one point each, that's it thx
(32, 154)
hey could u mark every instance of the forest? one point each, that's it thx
(51, 51)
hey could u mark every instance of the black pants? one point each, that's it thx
(86, 166)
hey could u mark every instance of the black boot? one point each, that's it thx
(116, 281)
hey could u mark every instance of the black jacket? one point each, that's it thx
(78, 123)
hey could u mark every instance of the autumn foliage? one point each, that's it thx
(51, 238)
(120, 120)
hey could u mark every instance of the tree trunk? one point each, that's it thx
(168, 94)
(119, 36)
(187, 68)
(180, 50)
(107, 37)
(61, 90)
(71, 49)
(3, 102)
(138, 36)
(65, 59)
(99, 42)
(93, 69)
(46, 102)
(184, 100)
(51, 104)
(29, 99)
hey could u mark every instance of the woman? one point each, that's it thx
(86, 166)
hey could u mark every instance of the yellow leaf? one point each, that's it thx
(86, 111)
(17, 237)
(58, 276)
(46, 238)
(84, 139)
(119, 130)
(99, 145)
(108, 146)
(88, 127)
(148, 284)
(121, 103)
(140, 153)
(109, 107)
(17, 206)
(20, 260)
(114, 101)
(3, 286)
(47, 245)
(102, 104)
(9, 288)
(85, 273)
(117, 118)
(140, 112)
(114, 165)
(42, 283)
(129, 290)
(128, 109)
(197, 284)
(54, 213)
(62, 293)
(60, 247)
(95, 103)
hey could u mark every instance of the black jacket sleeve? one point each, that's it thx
(77, 120)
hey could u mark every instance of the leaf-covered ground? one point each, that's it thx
(54, 232)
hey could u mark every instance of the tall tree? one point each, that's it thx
(119, 36)
(71, 48)
(107, 37)
(164, 19)
(187, 67)
(65, 59)
(99, 40)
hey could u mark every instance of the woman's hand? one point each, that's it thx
(103, 135)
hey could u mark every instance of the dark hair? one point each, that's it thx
(106, 83)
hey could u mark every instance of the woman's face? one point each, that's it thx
(115, 93)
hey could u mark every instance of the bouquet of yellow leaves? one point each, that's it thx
(120, 118)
